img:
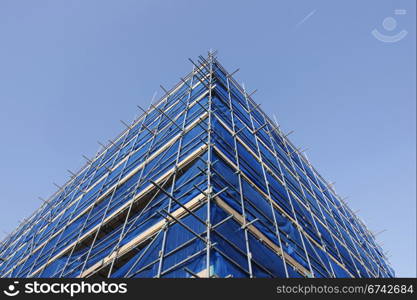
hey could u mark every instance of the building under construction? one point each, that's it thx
(202, 184)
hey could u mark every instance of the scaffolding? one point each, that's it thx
(202, 184)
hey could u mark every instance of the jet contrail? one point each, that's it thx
(306, 18)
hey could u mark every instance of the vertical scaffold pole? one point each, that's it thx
(209, 159)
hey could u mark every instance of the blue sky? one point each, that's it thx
(70, 70)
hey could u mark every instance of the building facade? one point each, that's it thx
(203, 184)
